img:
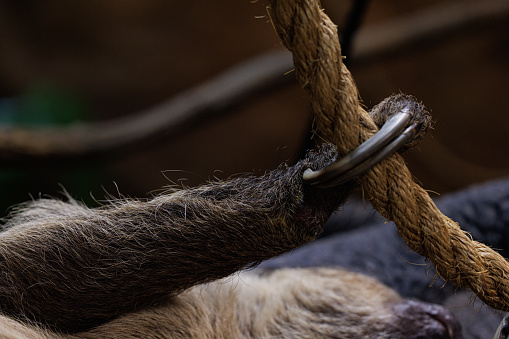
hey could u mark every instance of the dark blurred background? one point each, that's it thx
(66, 61)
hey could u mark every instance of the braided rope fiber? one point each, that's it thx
(310, 35)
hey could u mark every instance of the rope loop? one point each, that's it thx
(339, 118)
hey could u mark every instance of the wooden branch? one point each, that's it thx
(90, 139)
(213, 97)
(427, 25)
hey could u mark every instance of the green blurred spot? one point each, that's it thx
(44, 104)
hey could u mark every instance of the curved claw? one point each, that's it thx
(393, 135)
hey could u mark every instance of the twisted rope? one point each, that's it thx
(338, 117)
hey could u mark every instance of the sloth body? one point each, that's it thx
(167, 268)
(284, 303)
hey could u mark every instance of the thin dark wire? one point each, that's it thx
(353, 22)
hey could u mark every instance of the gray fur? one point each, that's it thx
(72, 268)
(286, 303)
(142, 269)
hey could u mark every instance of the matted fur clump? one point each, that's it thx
(72, 268)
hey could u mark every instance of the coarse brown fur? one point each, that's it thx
(144, 269)
(72, 268)
(286, 303)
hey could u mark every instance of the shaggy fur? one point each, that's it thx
(286, 303)
(136, 269)
(72, 268)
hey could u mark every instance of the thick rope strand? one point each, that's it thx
(338, 117)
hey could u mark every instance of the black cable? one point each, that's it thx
(353, 22)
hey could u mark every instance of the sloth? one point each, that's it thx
(181, 265)
(169, 268)
(282, 303)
